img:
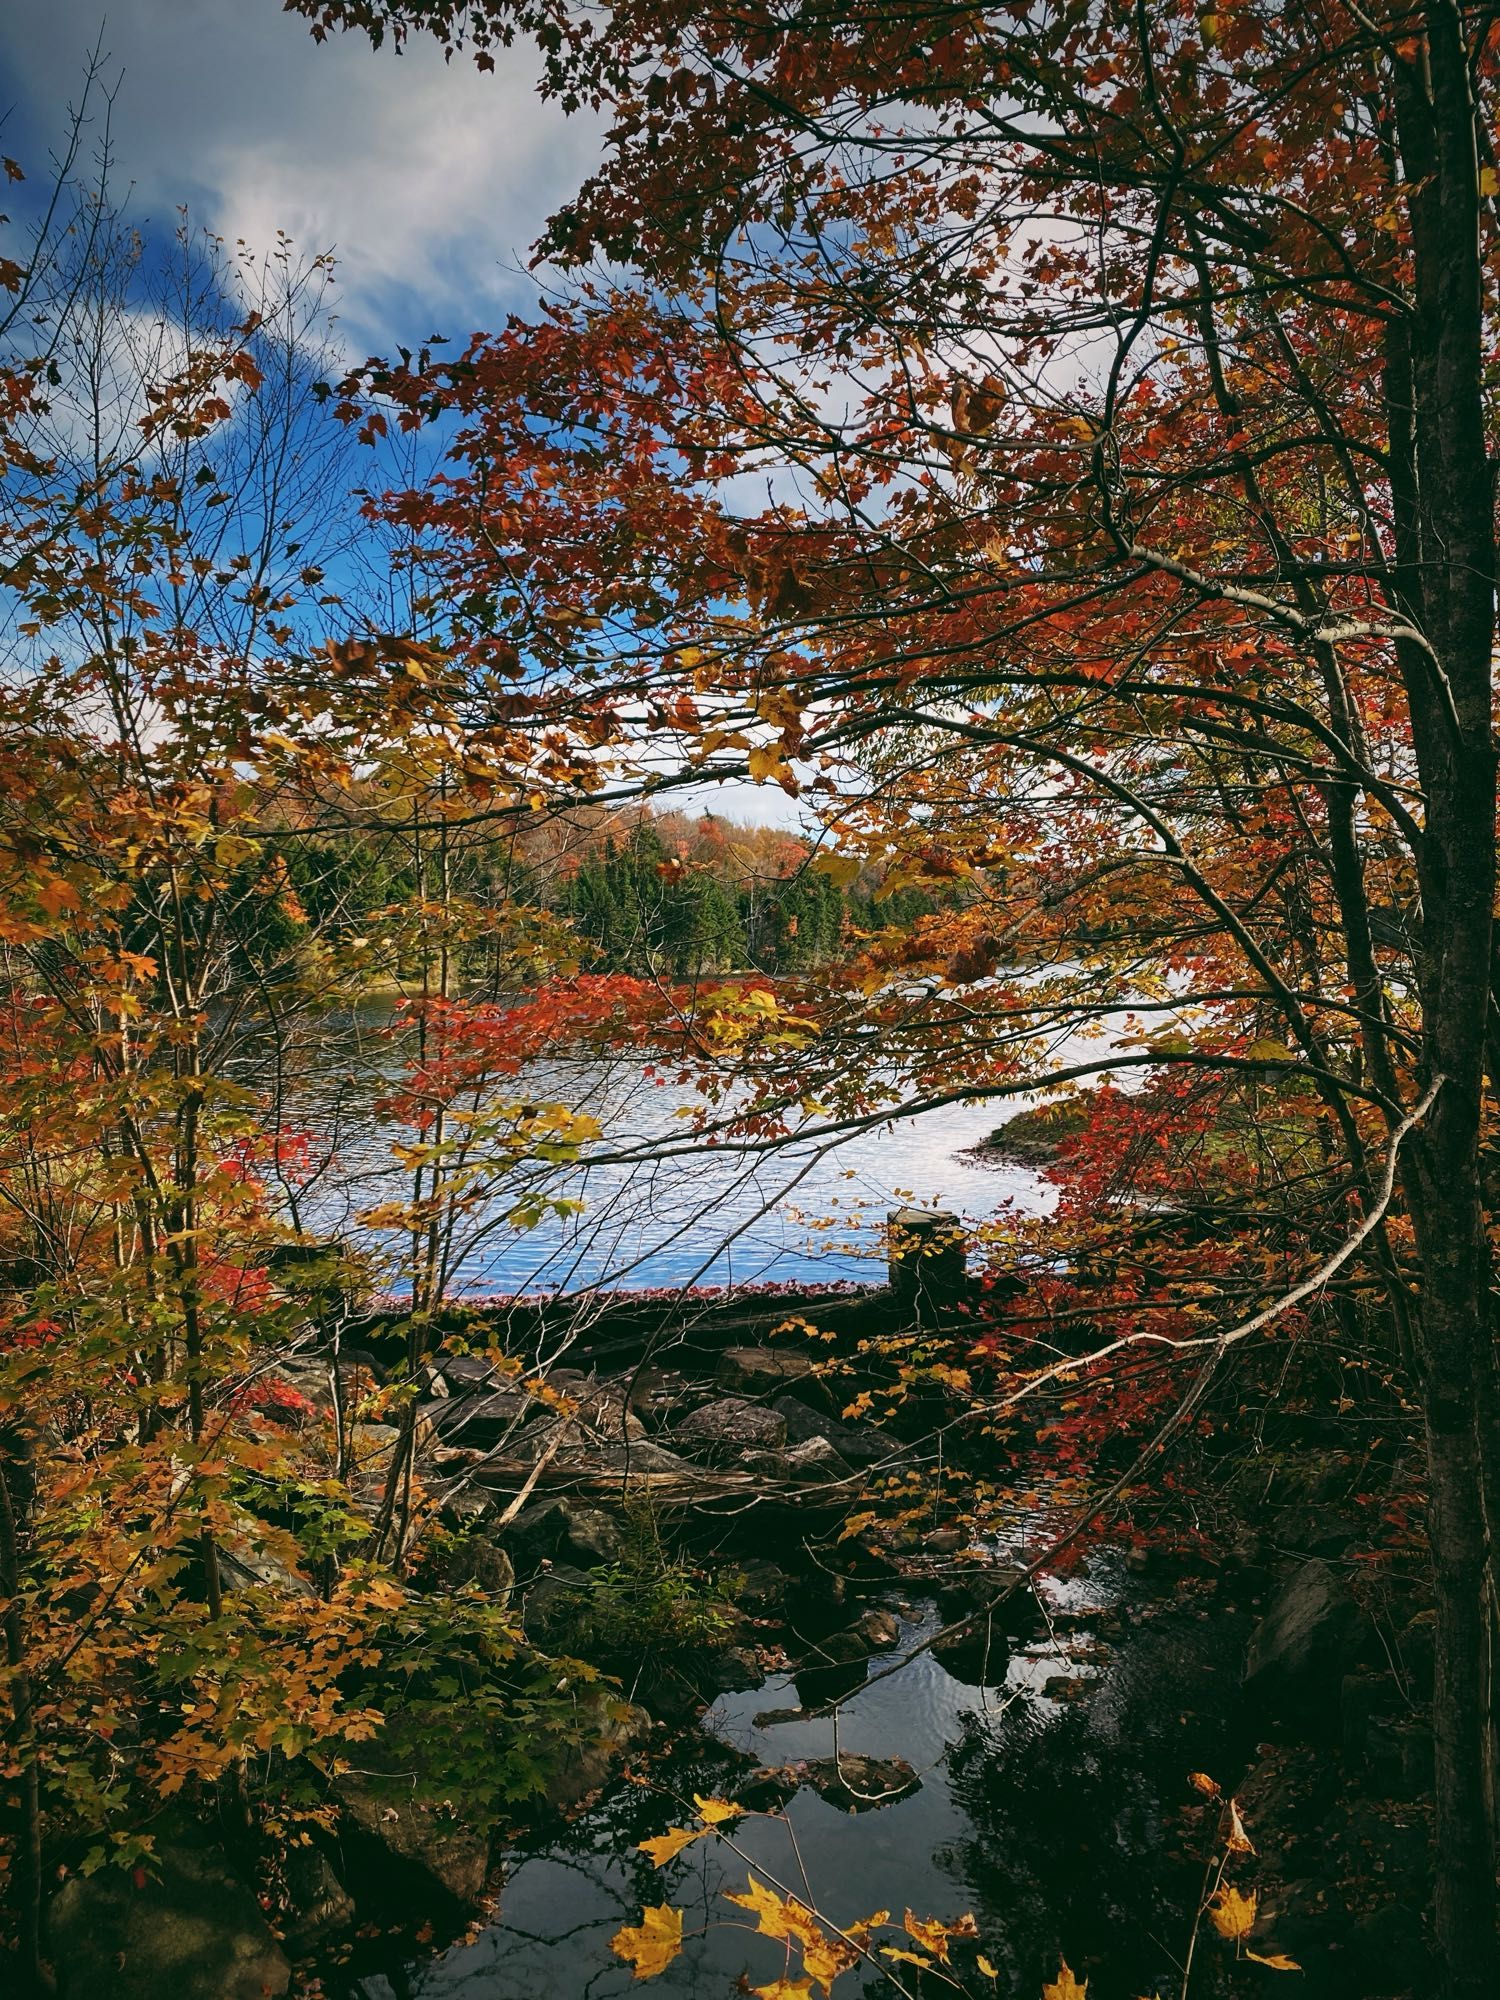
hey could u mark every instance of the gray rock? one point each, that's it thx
(468, 1374)
(1311, 1636)
(813, 1459)
(552, 1604)
(484, 1422)
(858, 1443)
(760, 1371)
(861, 1784)
(763, 1587)
(467, 1505)
(193, 1932)
(611, 1728)
(880, 1630)
(729, 1427)
(566, 1530)
(735, 1670)
(977, 1654)
(320, 1906)
(431, 1845)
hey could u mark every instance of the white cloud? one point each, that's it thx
(429, 180)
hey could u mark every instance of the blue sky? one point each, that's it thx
(429, 181)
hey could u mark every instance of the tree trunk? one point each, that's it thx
(1445, 514)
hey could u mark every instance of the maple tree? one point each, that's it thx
(1124, 380)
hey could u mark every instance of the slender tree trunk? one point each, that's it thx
(13, 1484)
(1444, 506)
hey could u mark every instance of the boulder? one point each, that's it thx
(661, 1395)
(191, 1930)
(610, 1729)
(483, 1422)
(1312, 1635)
(767, 1788)
(762, 1587)
(880, 1630)
(859, 1444)
(426, 1848)
(735, 1671)
(566, 1530)
(468, 1374)
(552, 1606)
(728, 1428)
(1005, 1590)
(466, 1505)
(977, 1653)
(319, 1906)
(861, 1784)
(760, 1371)
(813, 1460)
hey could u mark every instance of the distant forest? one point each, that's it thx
(642, 892)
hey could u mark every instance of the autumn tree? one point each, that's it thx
(1124, 377)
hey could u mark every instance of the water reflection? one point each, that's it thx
(813, 1212)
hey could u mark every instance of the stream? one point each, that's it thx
(1049, 1807)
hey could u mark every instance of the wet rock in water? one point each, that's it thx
(880, 1630)
(945, 1541)
(569, 1530)
(1312, 1634)
(861, 1784)
(834, 1671)
(759, 1371)
(858, 1443)
(320, 1906)
(192, 1931)
(816, 1602)
(1004, 1590)
(768, 1787)
(734, 1671)
(724, 1430)
(413, 1846)
(762, 1588)
(977, 1653)
(609, 1728)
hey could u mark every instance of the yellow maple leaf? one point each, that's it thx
(989, 1971)
(784, 1918)
(1236, 1839)
(650, 1946)
(665, 1845)
(784, 1989)
(1065, 1986)
(1231, 1913)
(929, 1933)
(1277, 1960)
(714, 1812)
(1201, 1781)
(824, 1958)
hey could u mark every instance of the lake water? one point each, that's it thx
(655, 1211)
